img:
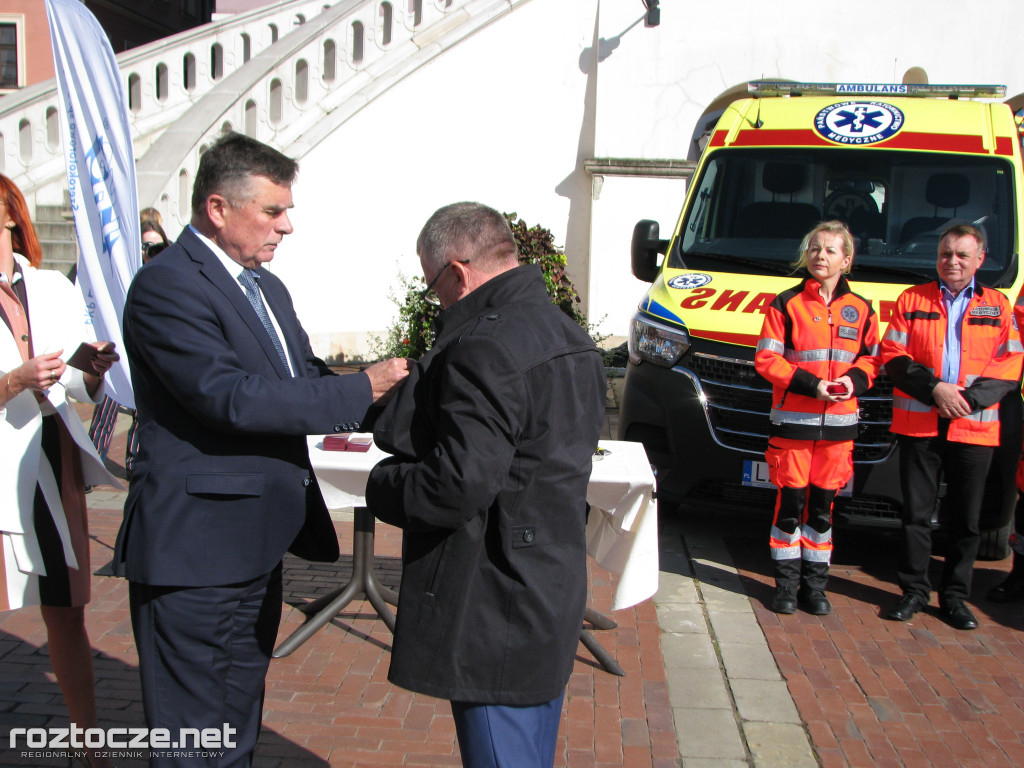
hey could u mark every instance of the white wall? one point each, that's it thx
(508, 117)
(495, 120)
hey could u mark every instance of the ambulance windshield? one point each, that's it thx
(753, 207)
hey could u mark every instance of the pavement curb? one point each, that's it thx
(730, 703)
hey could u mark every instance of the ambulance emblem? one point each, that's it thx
(850, 314)
(689, 282)
(859, 122)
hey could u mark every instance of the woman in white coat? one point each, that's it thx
(44, 558)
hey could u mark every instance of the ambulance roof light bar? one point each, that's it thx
(782, 88)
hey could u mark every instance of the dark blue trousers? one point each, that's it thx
(203, 659)
(496, 736)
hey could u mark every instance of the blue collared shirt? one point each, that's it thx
(956, 308)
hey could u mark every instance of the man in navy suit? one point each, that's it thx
(227, 388)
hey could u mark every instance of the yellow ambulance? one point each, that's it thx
(897, 163)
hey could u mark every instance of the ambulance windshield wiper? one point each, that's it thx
(768, 266)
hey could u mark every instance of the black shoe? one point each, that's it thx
(814, 601)
(959, 615)
(784, 600)
(905, 608)
(1011, 590)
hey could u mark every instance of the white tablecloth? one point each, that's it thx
(622, 532)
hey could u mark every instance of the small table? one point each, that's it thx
(622, 535)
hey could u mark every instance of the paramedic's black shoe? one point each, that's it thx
(784, 600)
(814, 601)
(906, 607)
(958, 615)
(1011, 590)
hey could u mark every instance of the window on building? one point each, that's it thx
(184, 195)
(301, 81)
(276, 101)
(250, 119)
(134, 92)
(52, 128)
(217, 61)
(161, 82)
(25, 141)
(246, 48)
(357, 42)
(10, 72)
(188, 65)
(387, 15)
(330, 61)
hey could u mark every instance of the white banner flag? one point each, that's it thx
(101, 173)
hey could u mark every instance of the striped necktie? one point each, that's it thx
(249, 279)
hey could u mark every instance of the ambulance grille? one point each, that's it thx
(738, 402)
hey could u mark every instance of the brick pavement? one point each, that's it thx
(329, 703)
(873, 692)
(868, 692)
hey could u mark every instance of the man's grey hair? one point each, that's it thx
(467, 231)
(228, 166)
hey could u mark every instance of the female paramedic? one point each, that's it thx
(819, 350)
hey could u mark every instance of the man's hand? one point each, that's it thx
(385, 377)
(950, 403)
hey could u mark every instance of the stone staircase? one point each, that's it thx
(55, 227)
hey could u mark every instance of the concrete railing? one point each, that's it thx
(287, 74)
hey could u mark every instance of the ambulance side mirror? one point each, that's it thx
(644, 250)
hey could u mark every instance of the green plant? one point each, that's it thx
(412, 333)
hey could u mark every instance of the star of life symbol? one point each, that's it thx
(689, 281)
(858, 122)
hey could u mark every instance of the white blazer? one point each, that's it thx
(58, 320)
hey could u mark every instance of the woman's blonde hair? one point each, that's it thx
(834, 227)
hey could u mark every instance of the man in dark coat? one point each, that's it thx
(227, 388)
(492, 438)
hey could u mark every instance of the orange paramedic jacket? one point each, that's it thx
(990, 362)
(804, 341)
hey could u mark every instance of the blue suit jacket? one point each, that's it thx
(222, 486)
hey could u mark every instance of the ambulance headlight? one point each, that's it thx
(653, 342)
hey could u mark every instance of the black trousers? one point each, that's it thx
(923, 461)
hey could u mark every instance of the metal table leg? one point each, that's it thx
(322, 611)
(363, 582)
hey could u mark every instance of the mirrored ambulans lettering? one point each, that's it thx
(728, 300)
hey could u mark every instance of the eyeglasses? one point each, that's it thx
(427, 294)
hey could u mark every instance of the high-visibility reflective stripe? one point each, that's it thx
(810, 535)
(786, 553)
(782, 539)
(983, 416)
(909, 404)
(970, 379)
(807, 355)
(1013, 346)
(813, 419)
(820, 355)
(772, 345)
(816, 555)
(898, 337)
(873, 350)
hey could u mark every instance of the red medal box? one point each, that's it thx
(346, 441)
